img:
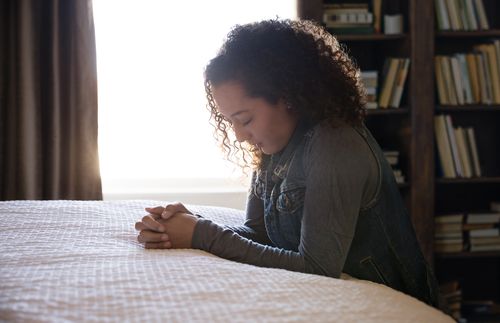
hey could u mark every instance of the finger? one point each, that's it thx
(173, 208)
(158, 245)
(157, 210)
(150, 222)
(150, 236)
(139, 226)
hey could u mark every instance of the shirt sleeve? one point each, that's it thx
(335, 181)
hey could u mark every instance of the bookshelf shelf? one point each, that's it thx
(469, 34)
(466, 254)
(371, 37)
(468, 108)
(389, 111)
(474, 180)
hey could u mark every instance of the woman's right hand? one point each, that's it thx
(152, 231)
(169, 210)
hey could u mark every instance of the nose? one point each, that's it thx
(241, 134)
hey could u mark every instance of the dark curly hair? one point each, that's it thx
(296, 61)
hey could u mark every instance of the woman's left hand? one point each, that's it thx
(174, 232)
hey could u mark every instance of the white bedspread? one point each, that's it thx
(80, 261)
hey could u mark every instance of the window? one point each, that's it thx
(154, 135)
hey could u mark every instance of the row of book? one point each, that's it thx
(461, 15)
(472, 232)
(352, 18)
(394, 75)
(392, 157)
(457, 149)
(469, 78)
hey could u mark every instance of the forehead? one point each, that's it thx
(230, 97)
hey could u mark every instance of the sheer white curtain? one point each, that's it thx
(154, 137)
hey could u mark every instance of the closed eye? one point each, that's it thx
(247, 122)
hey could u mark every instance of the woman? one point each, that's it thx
(323, 200)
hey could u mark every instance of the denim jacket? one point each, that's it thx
(384, 248)
(305, 214)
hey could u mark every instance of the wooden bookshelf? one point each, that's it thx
(410, 129)
(477, 272)
(466, 254)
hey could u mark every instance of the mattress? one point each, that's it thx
(80, 261)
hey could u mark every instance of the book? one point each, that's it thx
(442, 15)
(447, 227)
(452, 247)
(443, 147)
(454, 15)
(485, 240)
(471, 15)
(481, 15)
(449, 80)
(441, 88)
(467, 88)
(477, 226)
(389, 82)
(483, 218)
(449, 218)
(492, 232)
(463, 153)
(474, 80)
(457, 80)
(399, 85)
(492, 247)
(453, 145)
(471, 141)
(377, 15)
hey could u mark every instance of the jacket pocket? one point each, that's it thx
(290, 200)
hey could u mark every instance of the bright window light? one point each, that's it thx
(153, 121)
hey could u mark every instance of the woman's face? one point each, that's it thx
(266, 126)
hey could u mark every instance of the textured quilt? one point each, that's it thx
(80, 261)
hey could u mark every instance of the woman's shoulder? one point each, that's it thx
(335, 135)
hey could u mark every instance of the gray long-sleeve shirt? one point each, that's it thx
(340, 175)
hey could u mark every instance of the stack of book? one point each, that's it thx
(452, 293)
(392, 157)
(370, 83)
(448, 235)
(484, 232)
(469, 78)
(348, 18)
(461, 15)
(394, 74)
(457, 149)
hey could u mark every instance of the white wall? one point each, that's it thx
(188, 191)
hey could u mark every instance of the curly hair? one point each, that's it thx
(296, 61)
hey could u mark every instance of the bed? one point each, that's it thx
(80, 261)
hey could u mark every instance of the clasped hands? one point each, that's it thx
(167, 227)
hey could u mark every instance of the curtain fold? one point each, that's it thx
(48, 101)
